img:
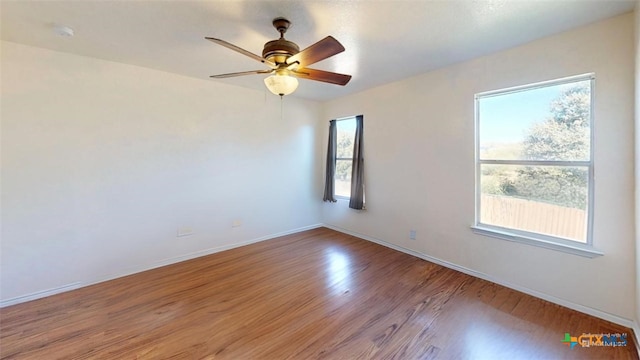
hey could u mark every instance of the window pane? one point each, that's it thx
(346, 131)
(544, 123)
(343, 178)
(550, 200)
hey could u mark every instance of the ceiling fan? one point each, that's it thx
(286, 61)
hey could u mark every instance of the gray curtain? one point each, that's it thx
(329, 190)
(357, 168)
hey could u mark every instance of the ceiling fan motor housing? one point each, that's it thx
(279, 50)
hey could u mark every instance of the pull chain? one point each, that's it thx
(281, 110)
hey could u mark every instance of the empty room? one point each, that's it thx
(320, 179)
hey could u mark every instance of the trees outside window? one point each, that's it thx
(346, 129)
(534, 159)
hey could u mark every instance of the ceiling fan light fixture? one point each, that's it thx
(281, 84)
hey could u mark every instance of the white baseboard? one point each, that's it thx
(40, 294)
(571, 305)
(169, 261)
(581, 308)
(636, 336)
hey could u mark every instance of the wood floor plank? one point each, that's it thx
(318, 294)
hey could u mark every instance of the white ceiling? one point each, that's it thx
(385, 41)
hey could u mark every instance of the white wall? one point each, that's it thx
(102, 162)
(419, 151)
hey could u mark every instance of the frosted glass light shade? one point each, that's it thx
(281, 84)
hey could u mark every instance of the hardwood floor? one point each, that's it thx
(318, 294)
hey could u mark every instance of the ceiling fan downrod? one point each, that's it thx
(282, 25)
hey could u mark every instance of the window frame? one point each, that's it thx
(532, 238)
(335, 160)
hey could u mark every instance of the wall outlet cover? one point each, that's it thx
(184, 231)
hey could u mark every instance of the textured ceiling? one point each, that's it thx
(385, 41)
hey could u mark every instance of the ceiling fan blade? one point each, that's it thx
(321, 50)
(222, 76)
(321, 75)
(242, 51)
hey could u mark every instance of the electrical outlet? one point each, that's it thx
(184, 231)
(236, 223)
(412, 234)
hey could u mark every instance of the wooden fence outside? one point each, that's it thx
(534, 216)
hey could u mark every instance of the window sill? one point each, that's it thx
(578, 249)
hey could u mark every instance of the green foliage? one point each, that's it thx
(496, 179)
(557, 185)
(344, 150)
(343, 169)
(564, 136)
(344, 145)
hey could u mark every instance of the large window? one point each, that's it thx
(346, 130)
(534, 166)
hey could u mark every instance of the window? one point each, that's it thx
(344, 173)
(534, 164)
(346, 130)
